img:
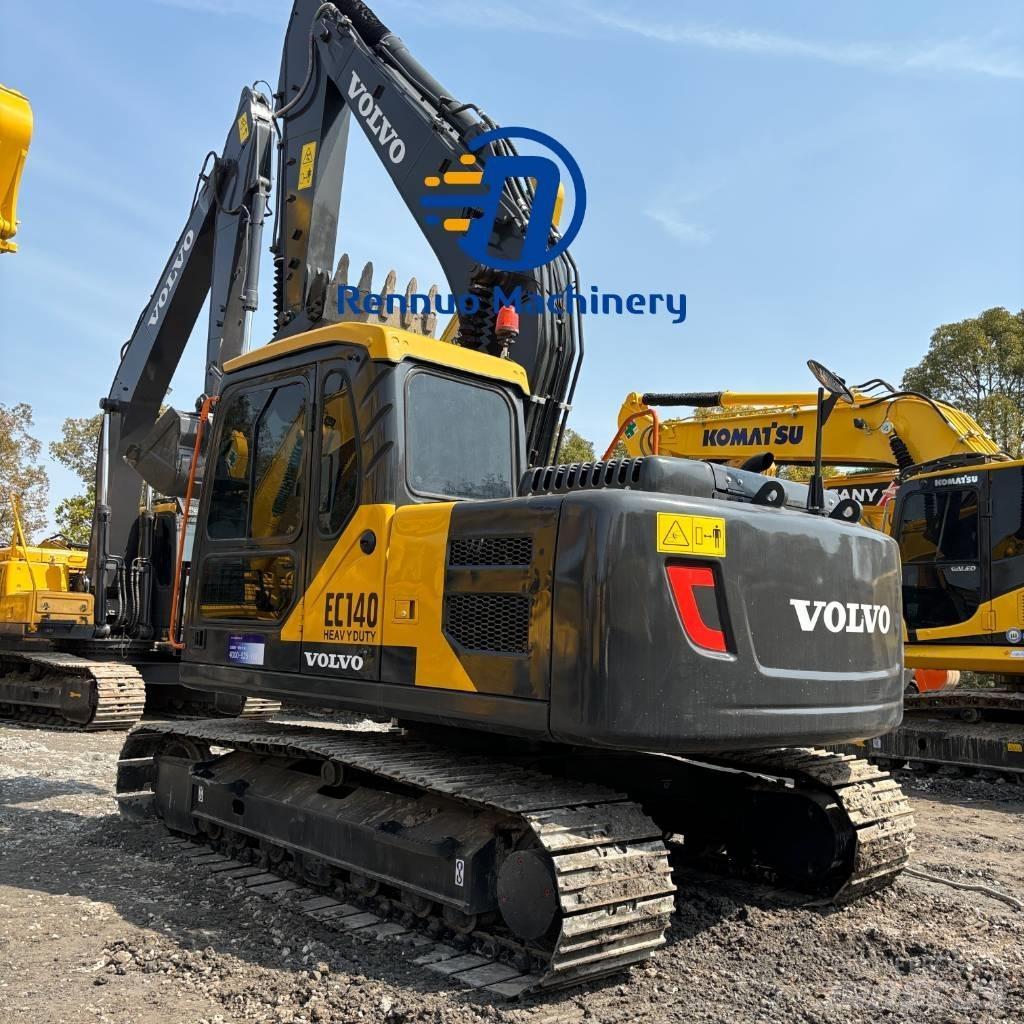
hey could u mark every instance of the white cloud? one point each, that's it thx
(951, 56)
(963, 55)
(679, 229)
(271, 11)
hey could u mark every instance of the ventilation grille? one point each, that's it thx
(490, 623)
(577, 476)
(467, 551)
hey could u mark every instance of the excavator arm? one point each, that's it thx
(341, 61)
(216, 256)
(883, 428)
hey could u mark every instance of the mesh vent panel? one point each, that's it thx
(491, 551)
(494, 623)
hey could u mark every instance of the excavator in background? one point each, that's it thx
(929, 476)
(15, 136)
(85, 634)
(883, 434)
(581, 660)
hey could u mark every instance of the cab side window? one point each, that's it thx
(229, 500)
(278, 472)
(939, 526)
(257, 471)
(1007, 513)
(339, 476)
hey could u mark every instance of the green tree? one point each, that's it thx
(576, 448)
(977, 365)
(73, 516)
(77, 450)
(801, 474)
(20, 472)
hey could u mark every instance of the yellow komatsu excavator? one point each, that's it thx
(923, 472)
(15, 135)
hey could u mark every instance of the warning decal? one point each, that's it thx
(243, 128)
(306, 165)
(691, 535)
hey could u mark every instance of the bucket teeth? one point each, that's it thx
(418, 321)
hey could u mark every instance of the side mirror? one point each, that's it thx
(831, 382)
(834, 385)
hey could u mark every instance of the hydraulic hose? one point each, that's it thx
(697, 399)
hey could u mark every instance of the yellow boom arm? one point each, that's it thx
(15, 135)
(887, 430)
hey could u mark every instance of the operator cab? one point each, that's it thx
(961, 537)
(320, 438)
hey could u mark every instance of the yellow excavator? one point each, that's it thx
(923, 472)
(15, 135)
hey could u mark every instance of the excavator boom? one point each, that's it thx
(892, 429)
(15, 135)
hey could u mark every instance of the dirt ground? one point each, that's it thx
(98, 923)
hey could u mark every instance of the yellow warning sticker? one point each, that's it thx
(243, 128)
(1015, 748)
(306, 165)
(691, 535)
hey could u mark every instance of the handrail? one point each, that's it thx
(172, 634)
(656, 430)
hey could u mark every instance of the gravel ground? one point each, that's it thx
(98, 923)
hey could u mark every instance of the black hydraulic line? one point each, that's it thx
(889, 398)
(900, 452)
(873, 384)
(696, 399)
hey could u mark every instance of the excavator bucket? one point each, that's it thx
(15, 135)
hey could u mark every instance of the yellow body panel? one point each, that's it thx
(405, 573)
(391, 345)
(999, 658)
(414, 594)
(347, 568)
(15, 135)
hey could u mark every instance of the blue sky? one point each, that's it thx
(820, 180)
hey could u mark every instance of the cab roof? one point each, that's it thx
(390, 345)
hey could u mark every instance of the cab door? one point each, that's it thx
(1006, 499)
(338, 628)
(252, 550)
(942, 534)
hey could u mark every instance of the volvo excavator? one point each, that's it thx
(589, 667)
(85, 634)
(928, 475)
